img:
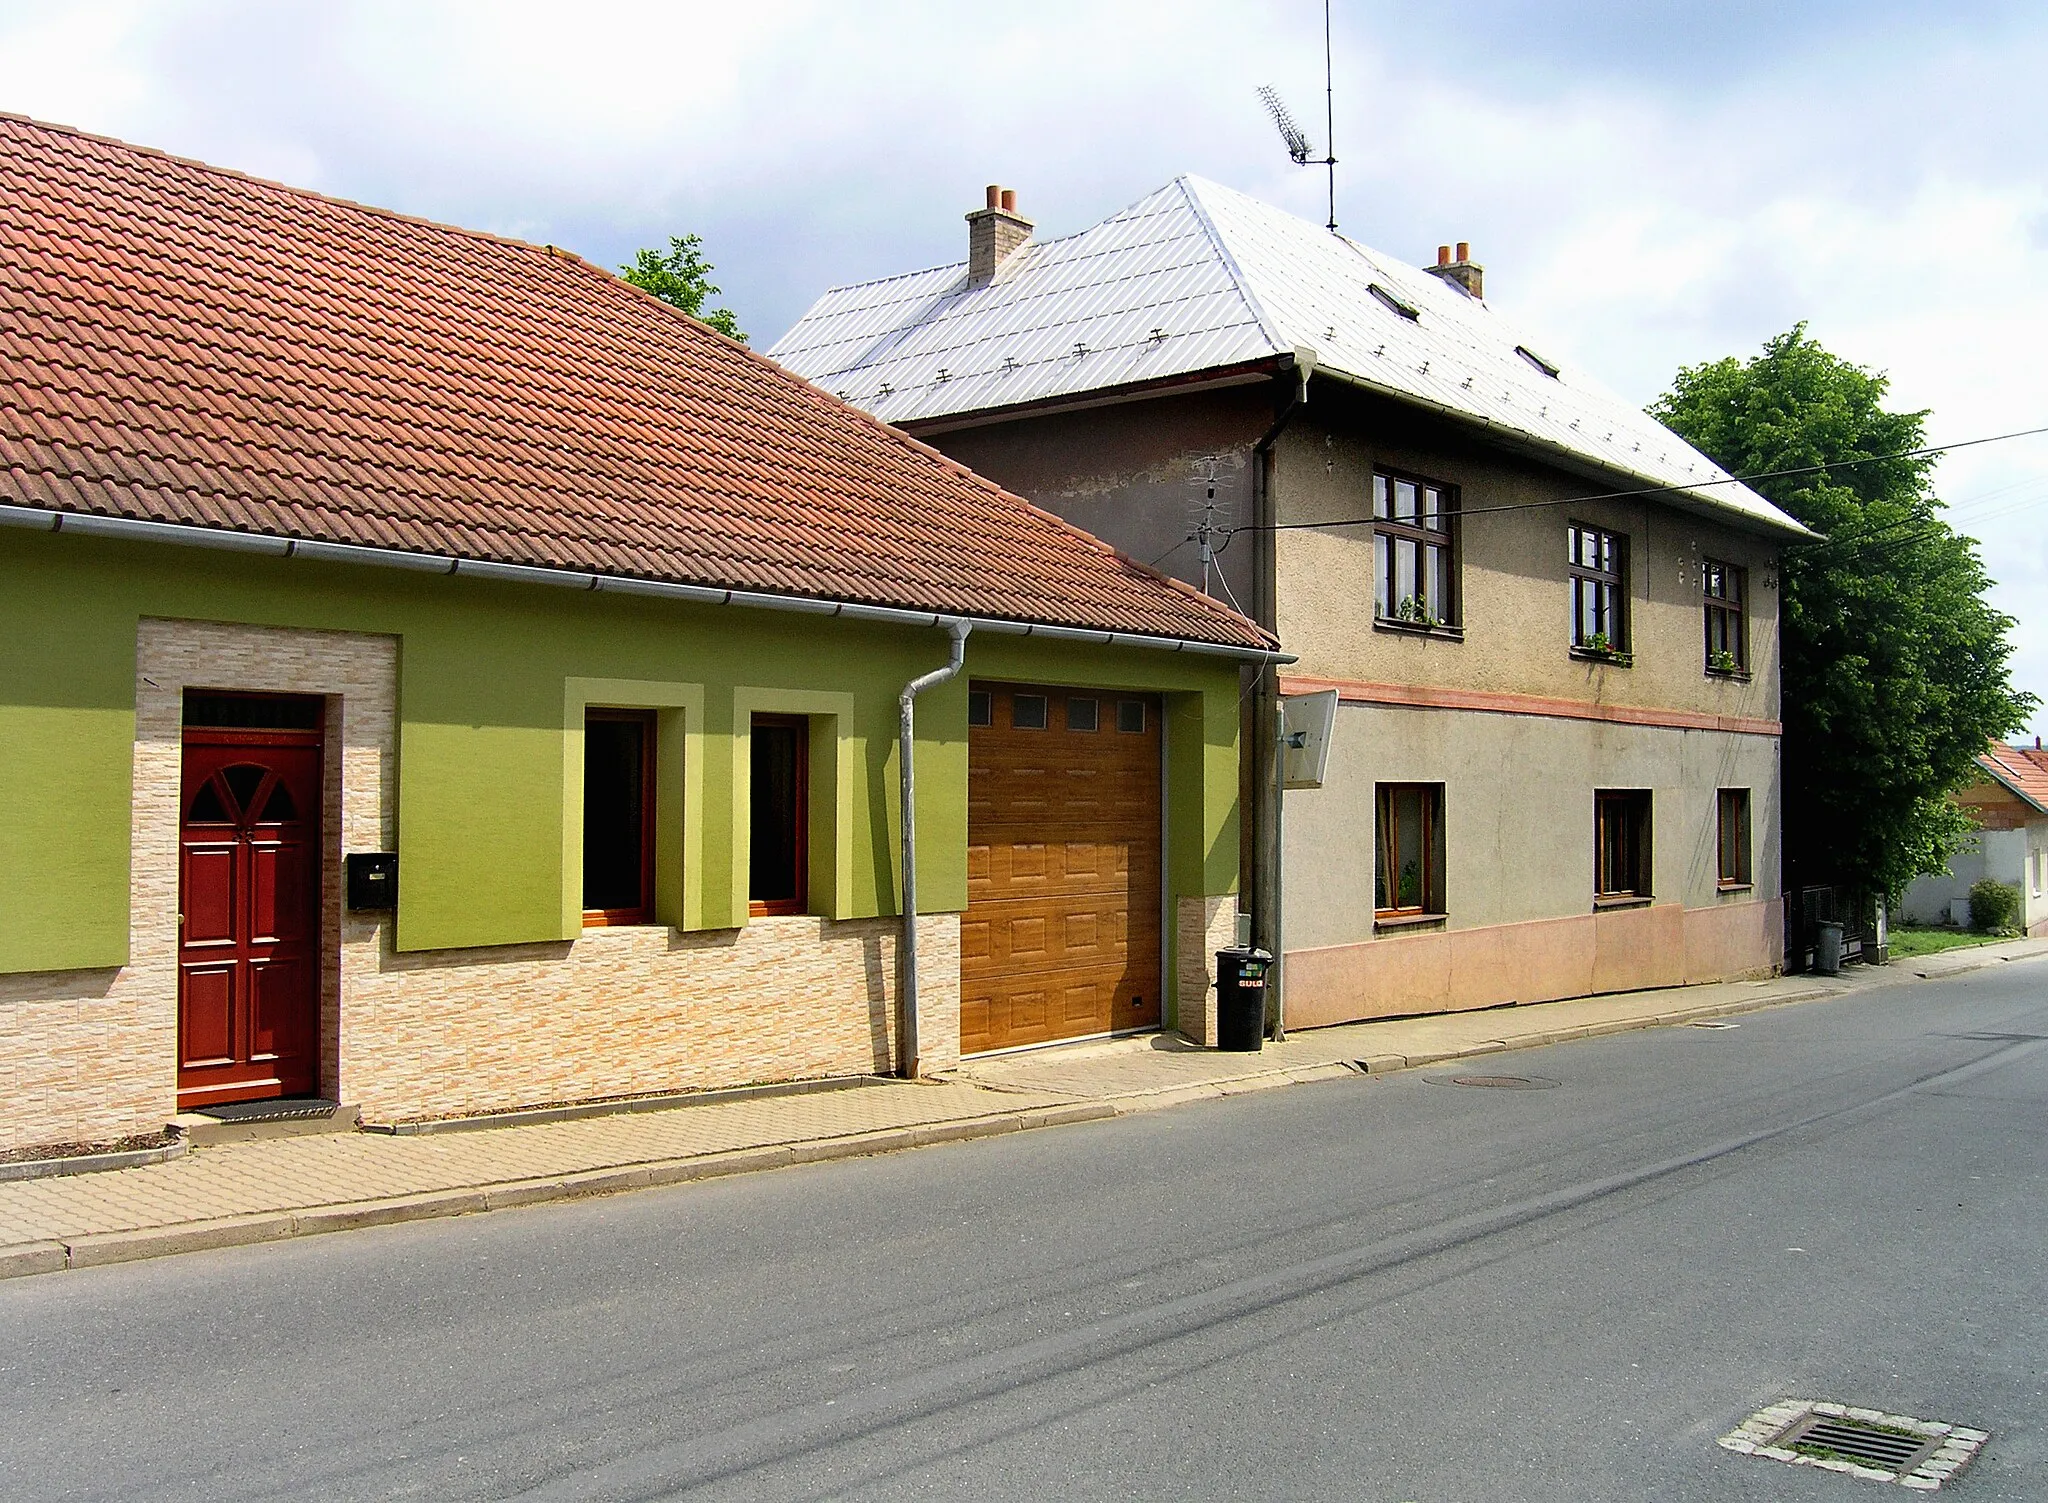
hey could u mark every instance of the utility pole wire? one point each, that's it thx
(1665, 490)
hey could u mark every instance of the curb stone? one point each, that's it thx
(91, 1163)
(97, 1249)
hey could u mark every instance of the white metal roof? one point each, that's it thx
(1196, 277)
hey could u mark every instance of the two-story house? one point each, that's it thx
(1551, 625)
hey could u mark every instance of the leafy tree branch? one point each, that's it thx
(1894, 666)
(682, 279)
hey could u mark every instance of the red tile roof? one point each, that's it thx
(180, 343)
(2023, 769)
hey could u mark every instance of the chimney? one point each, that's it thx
(994, 234)
(1463, 273)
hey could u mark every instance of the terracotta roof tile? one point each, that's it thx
(184, 344)
(2023, 769)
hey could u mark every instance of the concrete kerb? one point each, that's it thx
(100, 1248)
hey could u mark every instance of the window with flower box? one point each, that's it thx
(1724, 589)
(1597, 561)
(1414, 539)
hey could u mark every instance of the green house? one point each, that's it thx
(441, 678)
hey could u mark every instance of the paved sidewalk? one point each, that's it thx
(283, 1187)
(1155, 1070)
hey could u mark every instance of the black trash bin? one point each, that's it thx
(1241, 999)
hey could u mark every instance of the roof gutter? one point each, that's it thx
(1556, 453)
(88, 524)
(1244, 373)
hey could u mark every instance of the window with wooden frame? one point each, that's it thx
(778, 831)
(1408, 864)
(1724, 589)
(1597, 562)
(1414, 542)
(1621, 844)
(618, 817)
(1732, 826)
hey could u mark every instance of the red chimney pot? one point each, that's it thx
(1443, 255)
(995, 196)
(1010, 200)
(1464, 251)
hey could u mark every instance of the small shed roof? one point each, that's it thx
(1196, 278)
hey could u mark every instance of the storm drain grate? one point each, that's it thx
(1919, 1454)
(1853, 1440)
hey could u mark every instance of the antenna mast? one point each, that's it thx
(1330, 116)
(1299, 147)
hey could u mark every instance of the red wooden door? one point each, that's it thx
(248, 917)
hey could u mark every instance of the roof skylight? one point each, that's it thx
(1536, 360)
(1396, 302)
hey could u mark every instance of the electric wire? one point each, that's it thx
(1665, 490)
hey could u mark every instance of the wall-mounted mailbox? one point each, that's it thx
(372, 880)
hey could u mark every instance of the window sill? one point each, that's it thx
(759, 909)
(1733, 886)
(1417, 629)
(1409, 921)
(1733, 675)
(1624, 900)
(613, 919)
(1612, 659)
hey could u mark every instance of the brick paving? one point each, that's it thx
(290, 1174)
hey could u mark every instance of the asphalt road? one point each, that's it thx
(1387, 1288)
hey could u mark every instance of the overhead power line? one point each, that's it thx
(1665, 490)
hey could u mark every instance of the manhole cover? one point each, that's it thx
(1497, 1082)
(1915, 1453)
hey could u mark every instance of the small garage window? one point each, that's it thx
(1027, 712)
(1130, 716)
(981, 708)
(1081, 714)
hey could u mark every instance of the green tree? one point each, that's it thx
(1895, 669)
(682, 279)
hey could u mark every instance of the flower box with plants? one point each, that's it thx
(1412, 613)
(1724, 665)
(1601, 647)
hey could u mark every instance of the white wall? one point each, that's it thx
(2006, 855)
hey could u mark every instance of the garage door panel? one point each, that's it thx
(1001, 938)
(1065, 868)
(1061, 937)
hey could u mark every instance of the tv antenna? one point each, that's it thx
(1299, 147)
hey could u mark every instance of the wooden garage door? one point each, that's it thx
(1061, 934)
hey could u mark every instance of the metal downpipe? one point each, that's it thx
(906, 987)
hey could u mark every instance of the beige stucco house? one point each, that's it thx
(1550, 625)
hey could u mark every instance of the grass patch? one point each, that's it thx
(1907, 943)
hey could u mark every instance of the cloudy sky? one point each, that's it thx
(1648, 185)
